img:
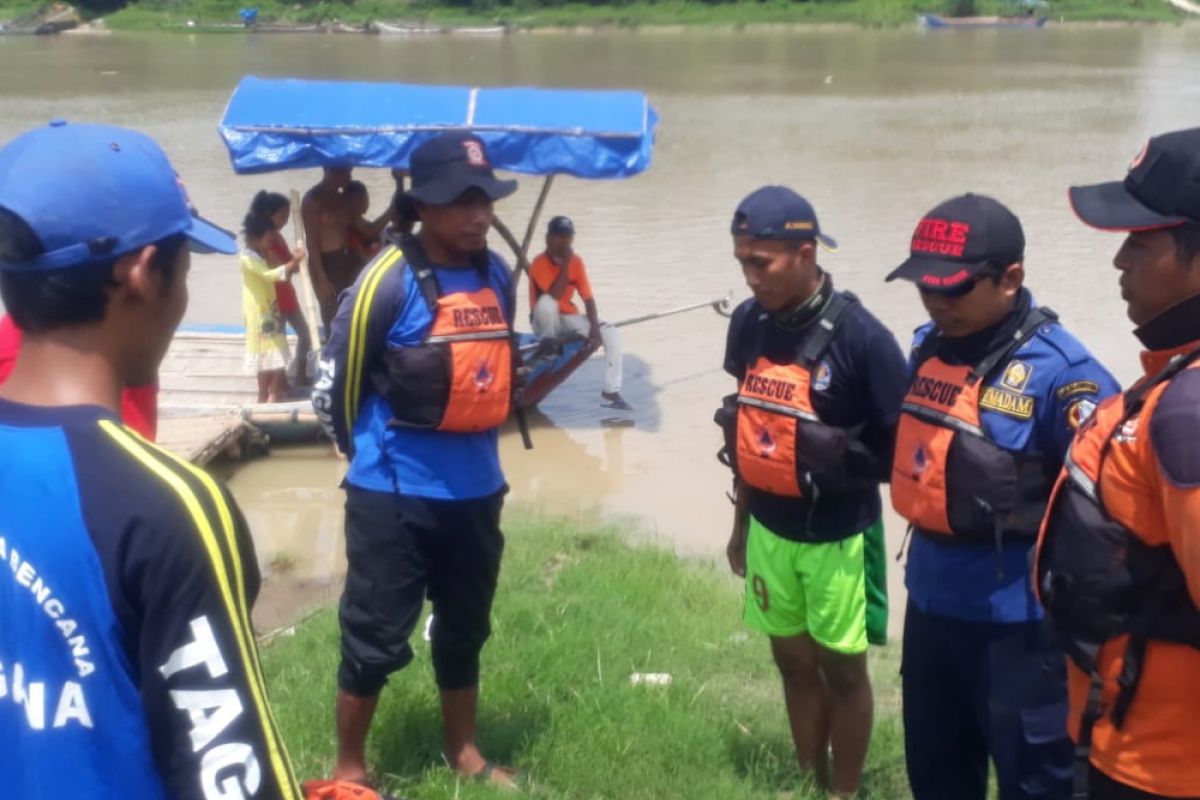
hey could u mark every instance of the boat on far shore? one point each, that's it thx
(424, 29)
(938, 22)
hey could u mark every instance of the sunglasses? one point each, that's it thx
(961, 290)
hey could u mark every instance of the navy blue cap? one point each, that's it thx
(959, 239)
(96, 192)
(776, 212)
(1161, 189)
(451, 163)
(561, 226)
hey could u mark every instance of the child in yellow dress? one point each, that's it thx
(266, 333)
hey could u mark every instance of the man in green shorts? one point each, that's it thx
(809, 436)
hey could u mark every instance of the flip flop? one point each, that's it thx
(339, 789)
(517, 782)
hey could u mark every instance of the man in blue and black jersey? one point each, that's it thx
(128, 667)
(416, 378)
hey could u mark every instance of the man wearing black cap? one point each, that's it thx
(128, 665)
(809, 436)
(1118, 565)
(998, 389)
(416, 378)
(554, 278)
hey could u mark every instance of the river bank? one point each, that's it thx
(579, 611)
(221, 16)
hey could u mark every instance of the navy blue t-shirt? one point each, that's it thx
(861, 381)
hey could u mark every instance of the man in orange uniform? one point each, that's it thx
(554, 277)
(1118, 562)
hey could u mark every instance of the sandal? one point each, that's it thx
(518, 781)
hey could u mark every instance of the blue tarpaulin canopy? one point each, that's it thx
(275, 124)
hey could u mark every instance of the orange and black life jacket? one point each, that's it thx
(1097, 578)
(778, 441)
(949, 479)
(460, 378)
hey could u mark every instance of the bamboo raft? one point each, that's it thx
(207, 402)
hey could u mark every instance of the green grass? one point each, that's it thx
(174, 14)
(576, 614)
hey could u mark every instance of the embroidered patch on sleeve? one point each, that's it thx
(1005, 402)
(1079, 412)
(1077, 387)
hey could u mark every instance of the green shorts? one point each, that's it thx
(836, 592)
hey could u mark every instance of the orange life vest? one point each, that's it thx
(1096, 576)
(777, 428)
(949, 479)
(460, 378)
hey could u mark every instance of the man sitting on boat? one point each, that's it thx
(554, 278)
(417, 377)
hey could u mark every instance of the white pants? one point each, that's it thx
(549, 323)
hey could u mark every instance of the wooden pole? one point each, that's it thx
(537, 212)
(311, 313)
(521, 251)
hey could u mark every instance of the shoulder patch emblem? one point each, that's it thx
(1016, 376)
(1080, 412)
(1077, 387)
(822, 377)
(1008, 403)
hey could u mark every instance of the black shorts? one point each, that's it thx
(400, 549)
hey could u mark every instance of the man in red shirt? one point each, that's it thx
(139, 404)
(554, 278)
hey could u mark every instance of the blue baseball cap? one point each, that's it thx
(95, 192)
(562, 226)
(776, 212)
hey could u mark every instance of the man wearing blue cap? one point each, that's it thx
(416, 378)
(998, 389)
(128, 665)
(809, 436)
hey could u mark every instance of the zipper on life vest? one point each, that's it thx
(904, 542)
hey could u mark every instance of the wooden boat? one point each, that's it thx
(279, 124)
(938, 22)
(422, 29)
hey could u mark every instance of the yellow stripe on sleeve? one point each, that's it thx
(356, 349)
(231, 591)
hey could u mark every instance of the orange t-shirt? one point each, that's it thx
(1156, 748)
(139, 404)
(542, 273)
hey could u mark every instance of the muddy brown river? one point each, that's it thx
(874, 127)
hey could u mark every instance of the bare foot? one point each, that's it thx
(470, 763)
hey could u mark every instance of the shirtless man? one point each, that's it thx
(327, 217)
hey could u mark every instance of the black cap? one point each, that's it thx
(560, 226)
(776, 212)
(959, 239)
(1161, 189)
(451, 163)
